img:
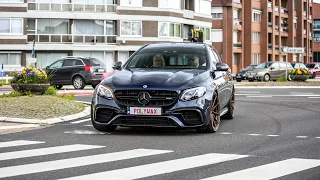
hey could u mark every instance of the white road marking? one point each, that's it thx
(273, 135)
(225, 133)
(76, 162)
(258, 96)
(148, 170)
(270, 171)
(81, 121)
(314, 97)
(254, 134)
(19, 126)
(18, 143)
(301, 136)
(318, 137)
(88, 125)
(45, 151)
(254, 92)
(300, 93)
(85, 132)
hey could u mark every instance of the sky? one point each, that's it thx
(317, 1)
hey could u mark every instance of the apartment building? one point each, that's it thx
(110, 30)
(254, 31)
(316, 30)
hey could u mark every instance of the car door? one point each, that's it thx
(274, 70)
(67, 70)
(317, 69)
(54, 71)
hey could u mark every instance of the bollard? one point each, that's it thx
(7, 79)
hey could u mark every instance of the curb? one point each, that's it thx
(278, 87)
(50, 121)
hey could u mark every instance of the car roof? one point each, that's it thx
(176, 44)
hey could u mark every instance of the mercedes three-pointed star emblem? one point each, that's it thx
(144, 98)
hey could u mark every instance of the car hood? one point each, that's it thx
(158, 79)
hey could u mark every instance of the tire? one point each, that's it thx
(214, 123)
(314, 75)
(103, 128)
(266, 77)
(289, 77)
(250, 80)
(238, 80)
(230, 106)
(78, 82)
(94, 86)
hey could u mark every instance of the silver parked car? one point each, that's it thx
(268, 71)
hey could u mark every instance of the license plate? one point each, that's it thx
(239, 77)
(100, 70)
(144, 111)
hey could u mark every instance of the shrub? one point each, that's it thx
(31, 75)
(282, 78)
(11, 94)
(51, 91)
(65, 96)
(299, 71)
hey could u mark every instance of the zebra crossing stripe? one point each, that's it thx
(76, 162)
(270, 171)
(19, 126)
(45, 151)
(18, 143)
(161, 167)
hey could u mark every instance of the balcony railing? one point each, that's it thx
(276, 27)
(305, 13)
(60, 7)
(276, 47)
(270, 25)
(69, 38)
(284, 30)
(237, 45)
(270, 46)
(316, 27)
(269, 4)
(316, 39)
(236, 22)
(310, 34)
(276, 9)
(304, 31)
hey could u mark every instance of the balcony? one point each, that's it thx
(237, 45)
(70, 7)
(305, 13)
(316, 27)
(276, 9)
(236, 22)
(270, 46)
(270, 25)
(69, 38)
(284, 30)
(237, 1)
(310, 34)
(269, 4)
(305, 32)
(316, 39)
(284, 11)
(276, 27)
(276, 47)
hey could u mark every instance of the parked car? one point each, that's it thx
(314, 69)
(76, 71)
(177, 85)
(269, 71)
(242, 74)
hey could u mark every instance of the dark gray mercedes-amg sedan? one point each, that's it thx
(180, 85)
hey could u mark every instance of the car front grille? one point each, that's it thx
(192, 117)
(104, 115)
(157, 97)
(144, 121)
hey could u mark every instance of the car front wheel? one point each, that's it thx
(78, 82)
(214, 123)
(266, 77)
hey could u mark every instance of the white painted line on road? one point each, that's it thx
(302, 137)
(314, 97)
(84, 132)
(88, 125)
(148, 170)
(272, 135)
(300, 93)
(254, 92)
(19, 126)
(45, 151)
(18, 143)
(271, 171)
(77, 162)
(254, 134)
(81, 121)
(225, 133)
(258, 96)
(318, 137)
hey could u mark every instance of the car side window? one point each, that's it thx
(283, 65)
(69, 62)
(275, 65)
(218, 57)
(213, 57)
(78, 63)
(57, 64)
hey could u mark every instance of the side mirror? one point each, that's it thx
(47, 67)
(117, 65)
(271, 68)
(222, 67)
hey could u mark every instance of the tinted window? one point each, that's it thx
(169, 58)
(57, 64)
(283, 65)
(310, 65)
(264, 65)
(78, 63)
(93, 62)
(275, 65)
(212, 56)
(69, 62)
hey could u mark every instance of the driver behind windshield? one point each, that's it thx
(158, 61)
(194, 61)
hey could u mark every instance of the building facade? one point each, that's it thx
(110, 30)
(254, 31)
(316, 30)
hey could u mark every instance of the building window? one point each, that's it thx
(167, 29)
(235, 59)
(10, 58)
(203, 6)
(51, 26)
(295, 26)
(131, 28)
(256, 17)
(216, 12)
(217, 35)
(94, 27)
(171, 4)
(255, 59)
(206, 33)
(12, 26)
(11, 1)
(256, 37)
(131, 3)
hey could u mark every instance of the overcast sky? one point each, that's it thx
(318, 1)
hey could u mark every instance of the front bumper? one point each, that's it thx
(190, 114)
(255, 77)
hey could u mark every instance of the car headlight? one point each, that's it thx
(194, 93)
(104, 92)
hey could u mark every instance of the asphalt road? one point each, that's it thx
(275, 134)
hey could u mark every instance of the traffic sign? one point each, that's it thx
(293, 50)
(300, 58)
(2, 73)
(32, 60)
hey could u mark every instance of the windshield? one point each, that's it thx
(248, 68)
(94, 62)
(311, 65)
(263, 65)
(169, 58)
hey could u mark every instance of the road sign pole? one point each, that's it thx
(286, 66)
